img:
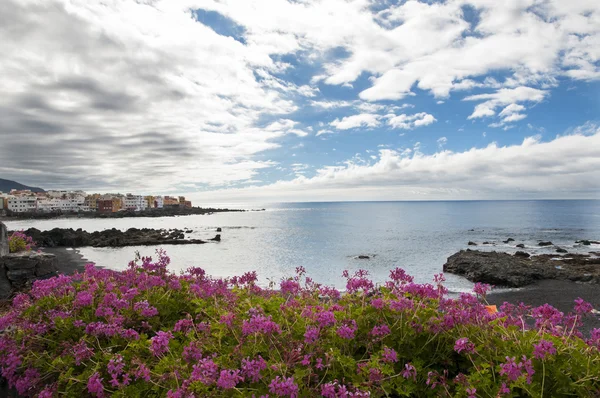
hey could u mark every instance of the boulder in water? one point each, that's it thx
(545, 243)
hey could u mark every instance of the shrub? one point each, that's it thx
(19, 242)
(146, 332)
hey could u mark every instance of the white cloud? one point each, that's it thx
(355, 121)
(505, 97)
(201, 108)
(409, 122)
(442, 141)
(323, 132)
(521, 170)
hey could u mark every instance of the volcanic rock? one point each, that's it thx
(502, 269)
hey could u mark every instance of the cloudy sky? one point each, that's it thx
(294, 100)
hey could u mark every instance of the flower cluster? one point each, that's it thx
(148, 332)
(19, 242)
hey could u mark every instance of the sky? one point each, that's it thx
(298, 100)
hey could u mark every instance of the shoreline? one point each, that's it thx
(68, 260)
(560, 294)
(152, 213)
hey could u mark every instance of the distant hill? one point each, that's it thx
(7, 185)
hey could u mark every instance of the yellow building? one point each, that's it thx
(150, 201)
(92, 201)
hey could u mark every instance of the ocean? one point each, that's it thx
(327, 238)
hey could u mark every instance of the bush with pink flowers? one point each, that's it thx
(19, 242)
(147, 332)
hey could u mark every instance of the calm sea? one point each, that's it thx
(326, 238)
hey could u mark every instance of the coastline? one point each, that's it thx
(68, 260)
(151, 213)
(560, 294)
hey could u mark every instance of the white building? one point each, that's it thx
(22, 204)
(158, 201)
(134, 202)
(48, 205)
(53, 204)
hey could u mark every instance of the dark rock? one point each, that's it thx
(363, 257)
(217, 238)
(67, 237)
(164, 212)
(499, 269)
(561, 250)
(521, 246)
(586, 242)
(486, 243)
(522, 254)
(19, 277)
(508, 240)
(472, 243)
(503, 269)
(219, 229)
(547, 243)
(21, 269)
(5, 285)
(3, 240)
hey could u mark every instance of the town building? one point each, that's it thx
(22, 204)
(134, 202)
(150, 202)
(170, 201)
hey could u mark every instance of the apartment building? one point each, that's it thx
(134, 202)
(22, 204)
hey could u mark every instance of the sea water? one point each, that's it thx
(327, 238)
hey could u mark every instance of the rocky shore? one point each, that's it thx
(166, 212)
(68, 237)
(521, 269)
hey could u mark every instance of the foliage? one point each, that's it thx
(146, 332)
(19, 242)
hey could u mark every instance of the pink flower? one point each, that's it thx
(289, 286)
(409, 371)
(206, 371)
(228, 379)
(381, 330)
(481, 289)
(582, 307)
(284, 387)
(347, 331)
(159, 344)
(389, 355)
(325, 318)
(251, 368)
(463, 344)
(543, 349)
(94, 385)
(311, 335)
(260, 324)
(471, 392)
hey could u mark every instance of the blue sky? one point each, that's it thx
(304, 100)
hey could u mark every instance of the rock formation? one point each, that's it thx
(503, 269)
